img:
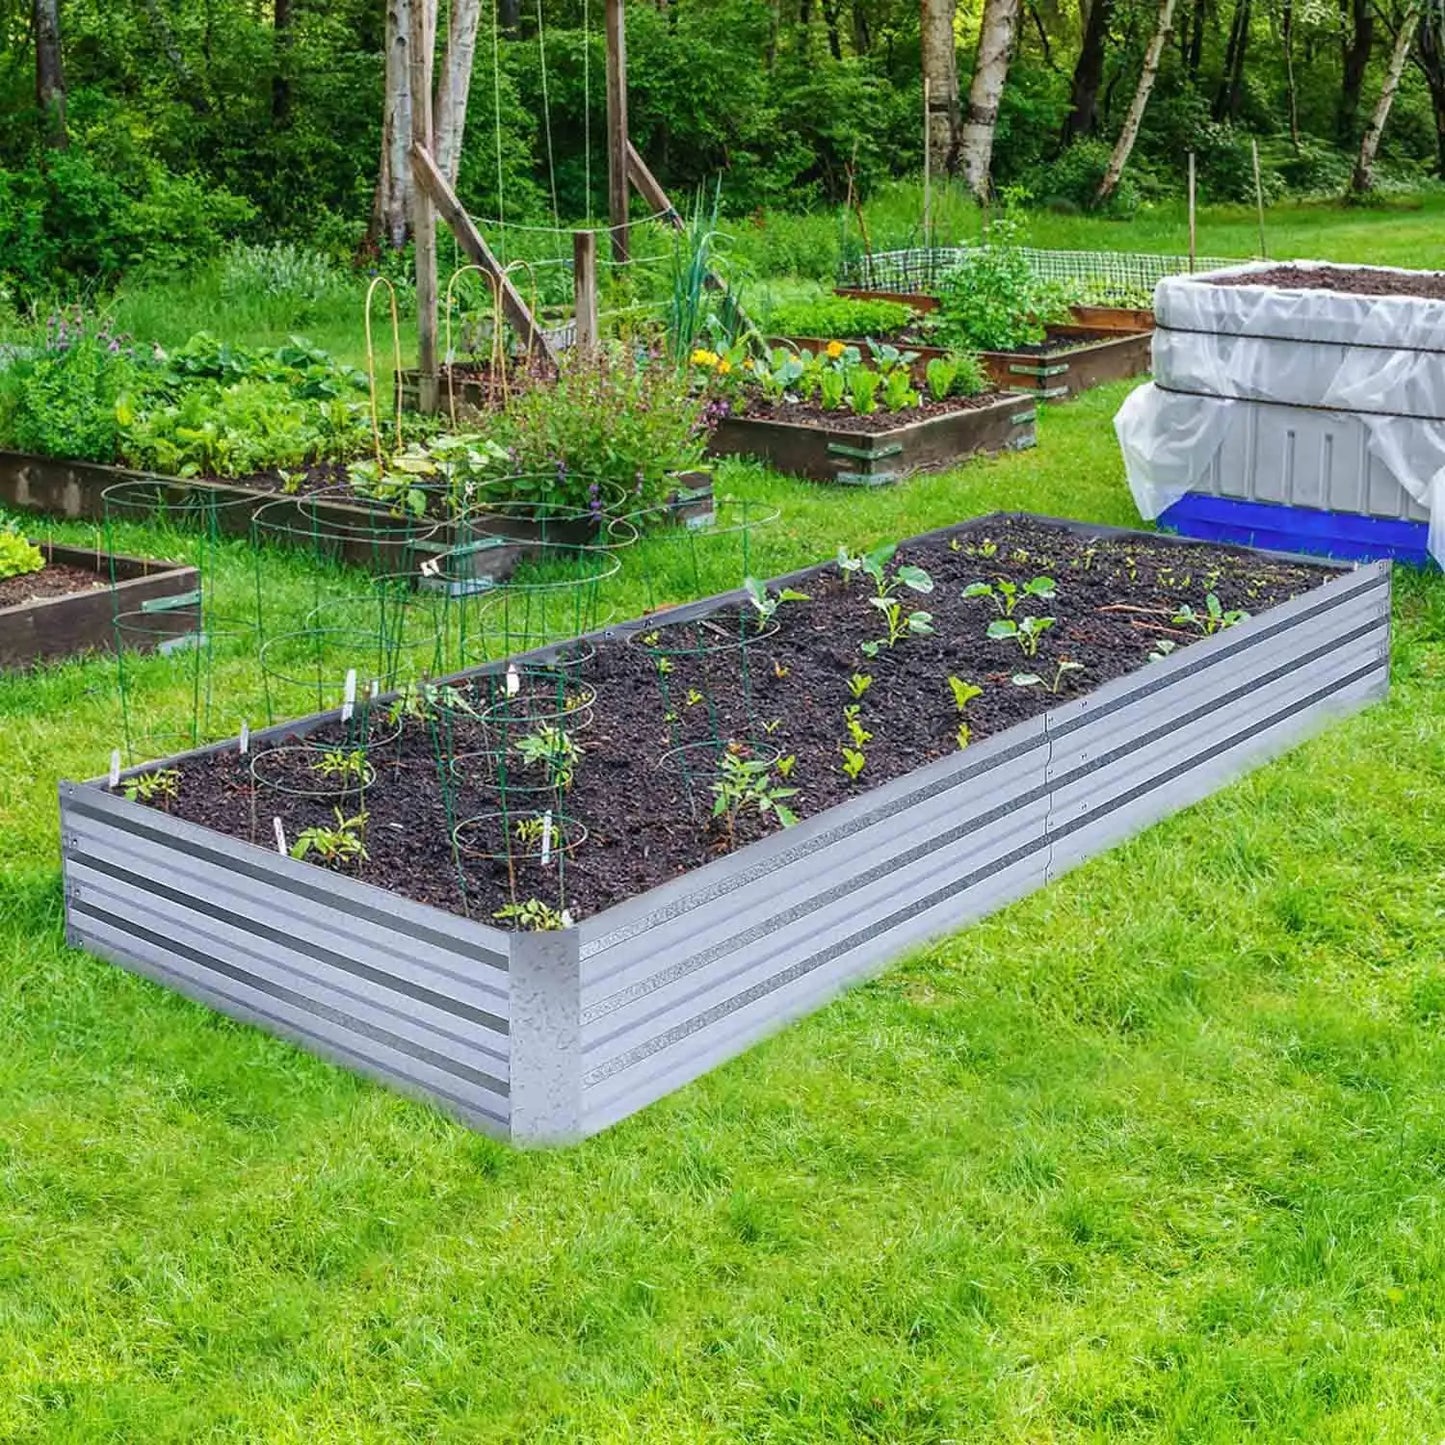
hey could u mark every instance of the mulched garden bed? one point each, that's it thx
(841, 419)
(55, 579)
(1350, 280)
(629, 822)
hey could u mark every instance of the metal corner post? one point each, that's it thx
(546, 1037)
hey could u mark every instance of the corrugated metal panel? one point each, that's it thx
(266, 940)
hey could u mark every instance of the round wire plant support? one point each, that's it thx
(268, 770)
(195, 521)
(678, 562)
(699, 765)
(305, 669)
(514, 836)
(552, 598)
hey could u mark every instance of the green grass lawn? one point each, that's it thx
(1156, 1154)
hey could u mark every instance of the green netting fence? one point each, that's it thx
(1120, 278)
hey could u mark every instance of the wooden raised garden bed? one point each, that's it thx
(685, 953)
(829, 450)
(1104, 318)
(352, 532)
(1073, 359)
(90, 600)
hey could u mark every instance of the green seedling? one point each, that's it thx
(347, 764)
(1213, 619)
(856, 730)
(553, 751)
(1032, 679)
(1026, 632)
(900, 624)
(766, 603)
(1006, 595)
(853, 763)
(859, 683)
(345, 843)
(162, 786)
(745, 783)
(533, 916)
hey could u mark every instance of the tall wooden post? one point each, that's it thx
(423, 212)
(617, 127)
(1259, 198)
(927, 177)
(584, 289)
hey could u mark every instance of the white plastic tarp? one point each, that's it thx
(1380, 359)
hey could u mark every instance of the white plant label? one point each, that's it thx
(546, 837)
(280, 836)
(374, 688)
(514, 682)
(245, 738)
(348, 696)
(430, 567)
(115, 767)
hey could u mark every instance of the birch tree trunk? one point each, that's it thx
(1363, 178)
(50, 74)
(390, 212)
(1130, 131)
(990, 71)
(449, 120)
(940, 70)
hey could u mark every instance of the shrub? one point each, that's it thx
(613, 419)
(60, 400)
(839, 316)
(1071, 181)
(992, 300)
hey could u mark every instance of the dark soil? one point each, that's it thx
(644, 806)
(807, 414)
(1351, 280)
(55, 579)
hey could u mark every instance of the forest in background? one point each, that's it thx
(150, 133)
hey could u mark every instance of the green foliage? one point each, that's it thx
(745, 784)
(18, 558)
(281, 270)
(992, 300)
(829, 317)
(61, 399)
(959, 374)
(612, 420)
(1071, 180)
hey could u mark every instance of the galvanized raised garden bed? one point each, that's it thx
(136, 604)
(542, 1037)
(831, 453)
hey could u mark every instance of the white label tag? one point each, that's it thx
(430, 567)
(546, 837)
(374, 689)
(348, 696)
(245, 738)
(115, 767)
(513, 681)
(280, 837)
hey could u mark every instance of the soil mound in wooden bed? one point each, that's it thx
(652, 713)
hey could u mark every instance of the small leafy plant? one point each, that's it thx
(1006, 595)
(766, 603)
(853, 763)
(162, 786)
(900, 624)
(1053, 685)
(859, 683)
(18, 558)
(963, 694)
(532, 916)
(863, 388)
(551, 750)
(345, 843)
(346, 764)
(1026, 632)
(745, 783)
(856, 731)
(1213, 619)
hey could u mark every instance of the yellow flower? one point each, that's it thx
(724, 366)
(835, 350)
(702, 357)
